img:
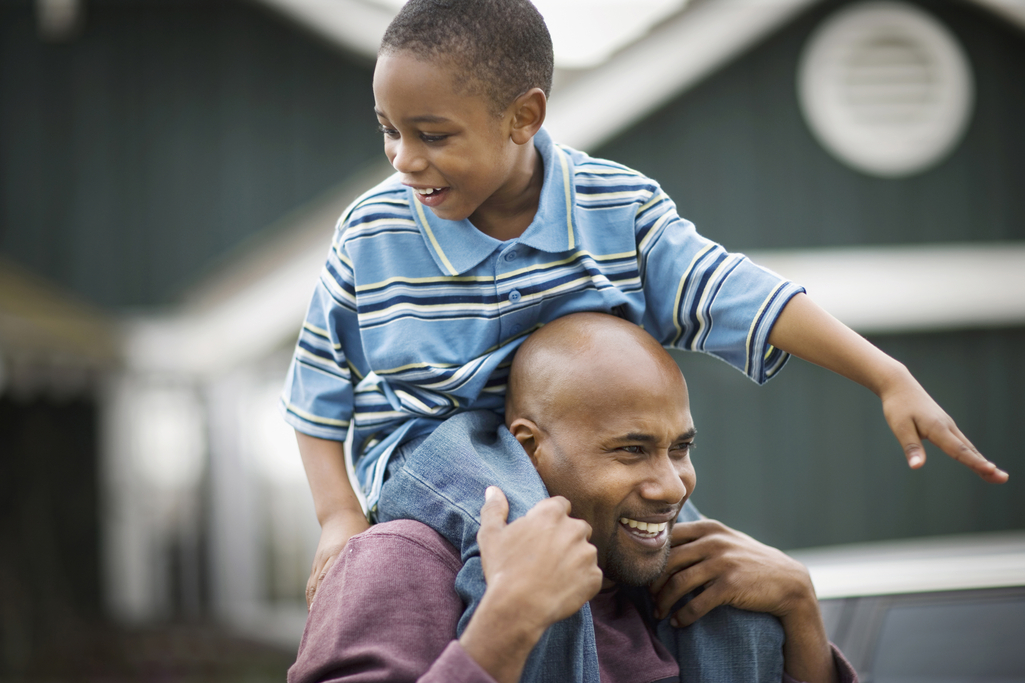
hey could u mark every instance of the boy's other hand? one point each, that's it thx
(334, 534)
(809, 332)
(542, 563)
(913, 415)
(733, 568)
(539, 569)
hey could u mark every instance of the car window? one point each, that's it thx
(958, 641)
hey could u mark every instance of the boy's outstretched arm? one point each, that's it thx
(807, 331)
(338, 509)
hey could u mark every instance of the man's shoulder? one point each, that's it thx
(405, 536)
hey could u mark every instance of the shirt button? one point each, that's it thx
(510, 255)
(515, 296)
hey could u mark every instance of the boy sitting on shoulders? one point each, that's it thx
(487, 231)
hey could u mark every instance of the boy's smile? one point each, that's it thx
(461, 159)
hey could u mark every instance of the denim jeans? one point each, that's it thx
(440, 481)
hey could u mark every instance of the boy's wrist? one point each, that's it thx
(893, 377)
(347, 519)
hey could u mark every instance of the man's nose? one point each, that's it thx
(407, 157)
(665, 484)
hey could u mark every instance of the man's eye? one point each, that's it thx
(636, 450)
(685, 447)
(390, 132)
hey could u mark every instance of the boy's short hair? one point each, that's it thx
(502, 46)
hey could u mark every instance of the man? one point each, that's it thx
(602, 412)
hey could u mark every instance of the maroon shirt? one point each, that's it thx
(387, 611)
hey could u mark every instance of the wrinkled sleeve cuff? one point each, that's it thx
(845, 673)
(455, 665)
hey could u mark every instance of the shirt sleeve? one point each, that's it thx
(703, 298)
(845, 673)
(318, 394)
(387, 611)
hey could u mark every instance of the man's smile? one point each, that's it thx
(650, 534)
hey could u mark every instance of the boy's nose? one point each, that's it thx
(407, 159)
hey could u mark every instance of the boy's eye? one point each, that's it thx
(432, 138)
(390, 132)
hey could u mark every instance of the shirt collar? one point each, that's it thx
(457, 246)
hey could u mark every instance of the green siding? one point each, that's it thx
(737, 157)
(808, 459)
(135, 156)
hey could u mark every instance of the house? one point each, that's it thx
(181, 164)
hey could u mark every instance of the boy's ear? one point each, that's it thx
(528, 114)
(529, 436)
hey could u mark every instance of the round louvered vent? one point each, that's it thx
(885, 88)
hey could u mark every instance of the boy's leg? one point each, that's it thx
(441, 483)
(727, 645)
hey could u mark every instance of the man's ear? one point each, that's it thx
(528, 114)
(529, 436)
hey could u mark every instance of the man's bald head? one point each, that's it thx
(602, 411)
(578, 359)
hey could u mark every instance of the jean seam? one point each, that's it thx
(454, 504)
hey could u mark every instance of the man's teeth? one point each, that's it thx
(648, 527)
(429, 190)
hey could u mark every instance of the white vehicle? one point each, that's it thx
(938, 610)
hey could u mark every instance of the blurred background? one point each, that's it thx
(170, 175)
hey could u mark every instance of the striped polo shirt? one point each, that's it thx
(416, 318)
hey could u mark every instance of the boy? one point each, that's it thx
(489, 230)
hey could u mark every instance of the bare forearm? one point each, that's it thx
(807, 655)
(807, 331)
(333, 497)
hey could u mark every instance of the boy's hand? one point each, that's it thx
(735, 570)
(539, 569)
(334, 534)
(913, 415)
(338, 508)
(543, 561)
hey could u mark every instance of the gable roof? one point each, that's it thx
(256, 305)
(676, 55)
(50, 341)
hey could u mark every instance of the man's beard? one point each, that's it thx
(628, 571)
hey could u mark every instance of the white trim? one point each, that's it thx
(917, 565)
(911, 288)
(350, 24)
(1011, 10)
(674, 57)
